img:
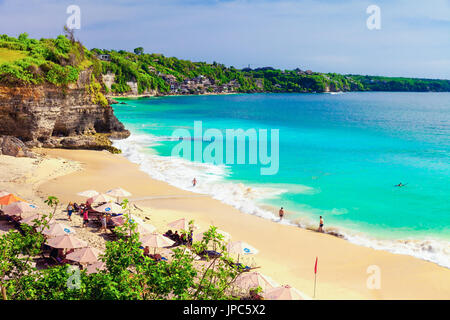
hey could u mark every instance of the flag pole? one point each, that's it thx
(315, 277)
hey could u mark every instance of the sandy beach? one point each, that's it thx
(286, 253)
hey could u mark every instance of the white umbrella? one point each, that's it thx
(118, 192)
(88, 193)
(109, 208)
(100, 198)
(241, 247)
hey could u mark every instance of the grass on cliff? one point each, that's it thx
(8, 55)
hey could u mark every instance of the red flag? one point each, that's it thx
(315, 267)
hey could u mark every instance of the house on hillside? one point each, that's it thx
(104, 57)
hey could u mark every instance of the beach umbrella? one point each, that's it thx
(118, 192)
(95, 267)
(9, 198)
(84, 255)
(4, 193)
(109, 208)
(19, 207)
(144, 229)
(241, 247)
(100, 198)
(117, 221)
(66, 242)
(88, 193)
(199, 236)
(284, 293)
(56, 229)
(155, 240)
(251, 280)
(30, 219)
(181, 224)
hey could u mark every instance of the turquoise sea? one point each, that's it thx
(340, 156)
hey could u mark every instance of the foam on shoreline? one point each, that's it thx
(212, 181)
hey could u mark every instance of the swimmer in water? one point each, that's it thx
(400, 185)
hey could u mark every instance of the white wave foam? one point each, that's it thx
(211, 180)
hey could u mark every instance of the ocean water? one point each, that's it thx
(340, 156)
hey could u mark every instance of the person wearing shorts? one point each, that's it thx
(85, 218)
(321, 224)
(69, 211)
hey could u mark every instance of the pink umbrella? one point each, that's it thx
(95, 267)
(284, 293)
(100, 198)
(19, 207)
(156, 240)
(84, 255)
(181, 224)
(117, 221)
(56, 229)
(109, 208)
(66, 242)
(250, 280)
(144, 229)
(30, 220)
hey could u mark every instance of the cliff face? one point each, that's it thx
(46, 115)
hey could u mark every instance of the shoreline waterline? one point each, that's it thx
(431, 250)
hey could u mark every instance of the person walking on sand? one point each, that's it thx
(320, 224)
(69, 211)
(281, 213)
(104, 223)
(194, 182)
(85, 218)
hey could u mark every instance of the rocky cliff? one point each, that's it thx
(53, 116)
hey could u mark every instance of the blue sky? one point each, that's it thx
(321, 35)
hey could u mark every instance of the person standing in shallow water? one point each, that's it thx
(281, 213)
(194, 182)
(320, 224)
